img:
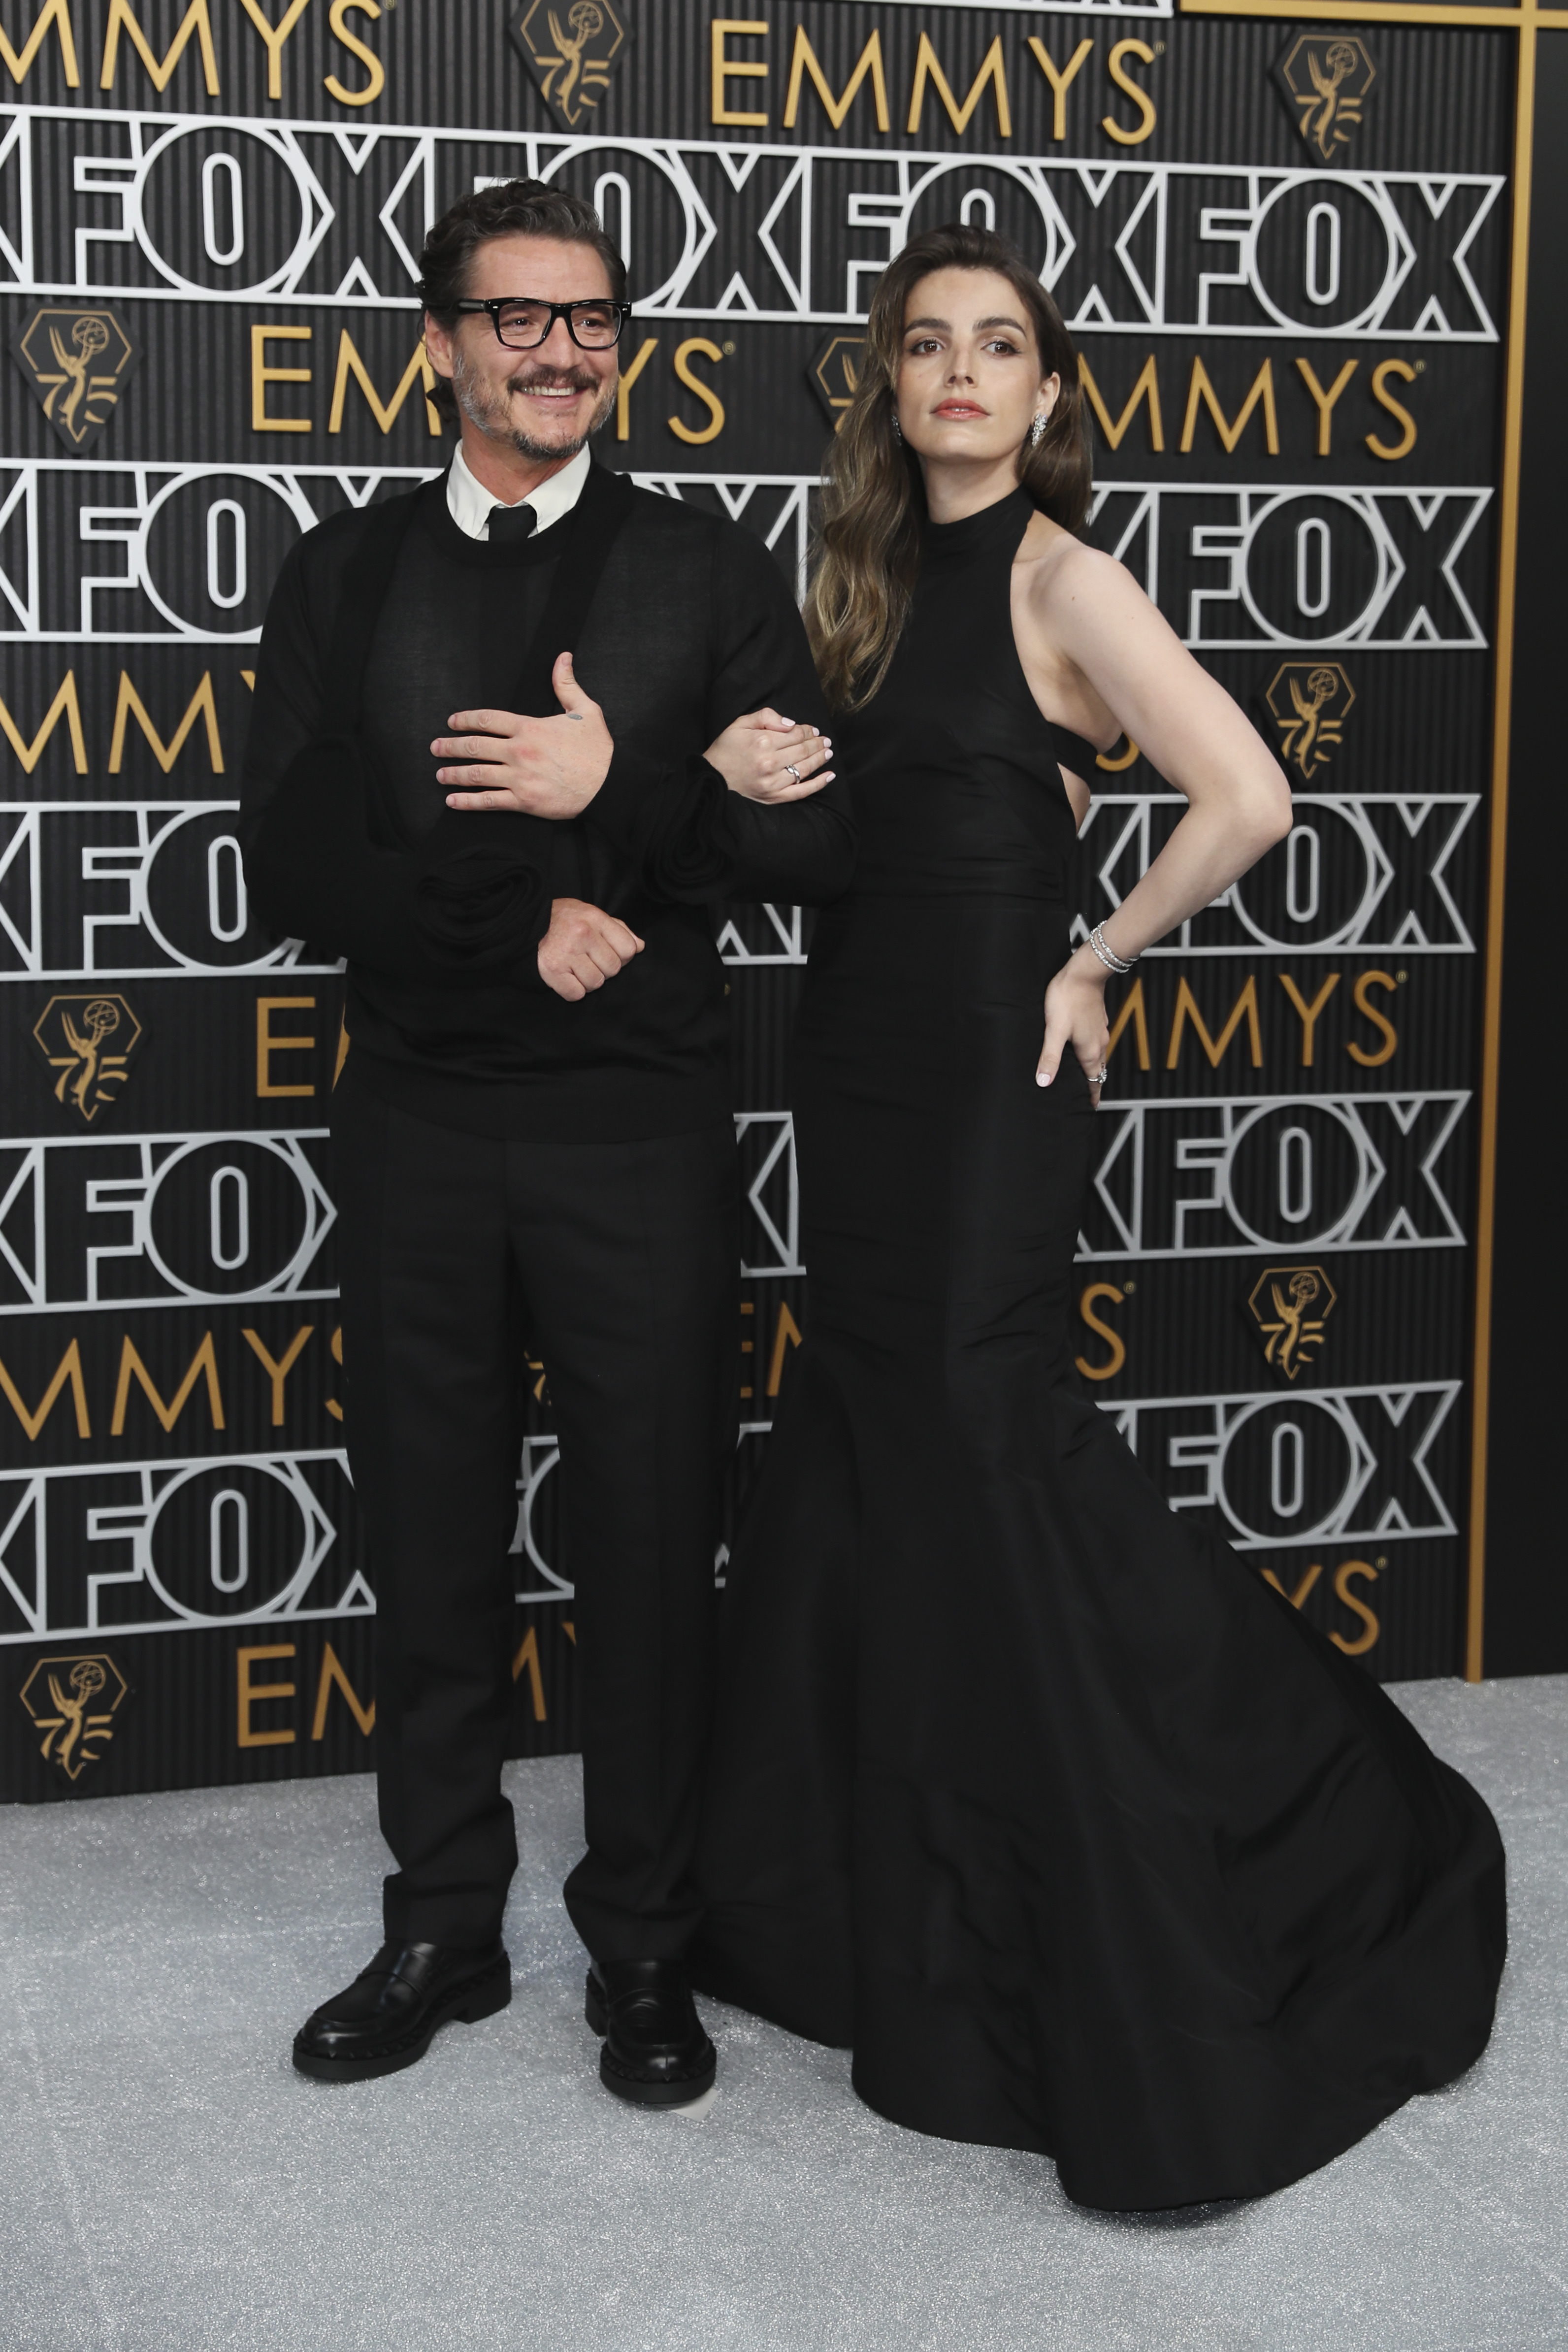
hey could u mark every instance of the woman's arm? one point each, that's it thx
(1130, 673)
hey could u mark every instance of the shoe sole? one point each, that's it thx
(481, 1997)
(634, 2087)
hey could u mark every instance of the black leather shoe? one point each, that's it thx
(385, 2018)
(654, 2049)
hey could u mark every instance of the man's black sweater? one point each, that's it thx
(690, 624)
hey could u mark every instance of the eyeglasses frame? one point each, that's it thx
(557, 310)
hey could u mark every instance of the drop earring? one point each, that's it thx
(898, 434)
(1037, 429)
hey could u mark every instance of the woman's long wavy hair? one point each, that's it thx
(873, 512)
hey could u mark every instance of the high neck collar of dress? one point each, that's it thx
(1006, 517)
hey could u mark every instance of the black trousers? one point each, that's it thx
(618, 1261)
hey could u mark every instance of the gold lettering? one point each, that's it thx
(278, 1373)
(928, 66)
(339, 10)
(1346, 1569)
(129, 705)
(629, 376)
(1308, 1013)
(715, 425)
(528, 1655)
(64, 706)
(787, 1334)
(1123, 760)
(58, 14)
(349, 364)
(332, 1672)
(266, 1044)
(274, 35)
(1201, 389)
(1406, 441)
(726, 69)
(68, 1371)
(1385, 1051)
(342, 1048)
(1325, 400)
(1060, 82)
(1132, 1009)
(251, 1695)
(132, 1367)
(1308, 1581)
(262, 375)
(1146, 388)
(1086, 1305)
(336, 1343)
(804, 62)
(195, 21)
(1244, 1009)
(1134, 90)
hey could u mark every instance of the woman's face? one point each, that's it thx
(969, 378)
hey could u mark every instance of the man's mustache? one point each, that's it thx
(554, 380)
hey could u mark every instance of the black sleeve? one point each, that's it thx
(289, 704)
(693, 838)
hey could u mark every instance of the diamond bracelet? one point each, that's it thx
(1107, 953)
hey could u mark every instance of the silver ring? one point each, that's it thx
(792, 772)
(1103, 1079)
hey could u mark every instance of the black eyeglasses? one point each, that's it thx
(593, 324)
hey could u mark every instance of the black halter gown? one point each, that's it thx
(1038, 1797)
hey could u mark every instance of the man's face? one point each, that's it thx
(542, 403)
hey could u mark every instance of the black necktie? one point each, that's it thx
(509, 526)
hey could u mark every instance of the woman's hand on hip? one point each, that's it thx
(765, 758)
(1076, 1021)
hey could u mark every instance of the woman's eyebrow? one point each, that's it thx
(910, 325)
(1017, 326)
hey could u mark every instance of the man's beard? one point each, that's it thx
(481, 406)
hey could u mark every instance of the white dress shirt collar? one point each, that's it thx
(468, 502)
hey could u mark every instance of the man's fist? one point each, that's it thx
(583, 949)
(544, 767)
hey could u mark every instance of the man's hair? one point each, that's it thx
(515, 208)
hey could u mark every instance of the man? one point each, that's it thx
(475, 770)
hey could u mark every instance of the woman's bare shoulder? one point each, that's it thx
(1060, 567)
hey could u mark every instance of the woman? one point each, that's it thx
(1039, 1798)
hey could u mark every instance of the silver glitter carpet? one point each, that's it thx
(167, 2180)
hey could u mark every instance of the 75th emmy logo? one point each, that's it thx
(570, 48)
(90, 1041)
(78, 361)
(1309, 702)
(1290, 1304)
(73, 1702)
(1326, 77)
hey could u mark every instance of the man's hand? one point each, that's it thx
(541, 767)
(583, 949)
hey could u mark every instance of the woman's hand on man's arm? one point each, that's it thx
(768, 758)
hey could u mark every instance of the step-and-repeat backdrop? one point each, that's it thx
(1283, 251)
